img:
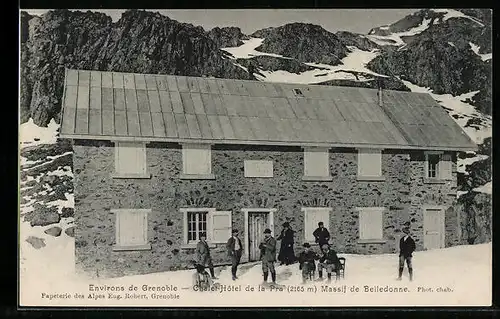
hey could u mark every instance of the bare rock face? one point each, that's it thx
(42, 216)
(227, 36)
(36, 242)
(357, 40)
(67, 212)
(303, 42)
(54, 231)
(70, 231)
(142, 42)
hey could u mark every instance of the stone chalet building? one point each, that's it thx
(158, 159)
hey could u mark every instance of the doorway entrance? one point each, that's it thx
(433, 227)
(256, 221)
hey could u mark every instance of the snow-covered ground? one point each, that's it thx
(355, 61)
(457, 276)
(484, 57)
(486, 188)
(31, 134)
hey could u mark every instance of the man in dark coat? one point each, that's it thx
(406, 249)
(329, 261)
(321, 235)
(234, 250)
(286, 255)
(307, 262)
(268, 255)
(203, 257)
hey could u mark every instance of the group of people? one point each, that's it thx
(327, 257)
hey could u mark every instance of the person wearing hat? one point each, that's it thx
(307, 262)
(406, 249)
(268, 255)
(234, 250)
(321, 235)
(329, 261)
(286, 255)
(203, 254)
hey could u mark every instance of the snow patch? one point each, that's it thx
(486, 188)
(452, 44)
(451, 13)
(247, 50)
(355, 61)
(465, 111)
(31, 134)
(484, 57)
(396, 37)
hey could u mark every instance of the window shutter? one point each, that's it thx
(445, 167)
(220, 226)
(369, 162)
(131, 158)
(131, 227)
(316, 162)
(197, 159)
(370, 223)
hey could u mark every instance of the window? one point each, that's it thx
(197, 161)
(438, 166)
(131, 229)
(312, 216)
(370, 223)
(130, 160)
(258, 168)
(298, 92)
(216, 225)
(316, 164)
(369, 163)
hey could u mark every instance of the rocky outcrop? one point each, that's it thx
(54, 231)
(36, 242)
(270, 63)
(227, 36)
(303, 42)
(357, 40)
(70, 231)
(42, 215)
(140, 41)
(430, 61)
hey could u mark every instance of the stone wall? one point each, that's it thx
(96, 193)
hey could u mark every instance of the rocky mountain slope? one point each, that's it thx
(446, 53)
(139, 42)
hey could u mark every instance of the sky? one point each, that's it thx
(251, 20)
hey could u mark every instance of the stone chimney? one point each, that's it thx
(379, 93)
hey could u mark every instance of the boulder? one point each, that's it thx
(54, 231)
(67, 212)
(42, 215)
(70, 231)
(36, 242)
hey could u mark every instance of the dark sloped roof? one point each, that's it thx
(142, 107)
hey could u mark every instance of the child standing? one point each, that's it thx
(307, 262)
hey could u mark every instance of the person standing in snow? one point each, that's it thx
(203, 254)
(286, 255)
(268, 256)
(234, 250)
(307, 262)
(329, 261)
(406, 249)
(321, 235)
